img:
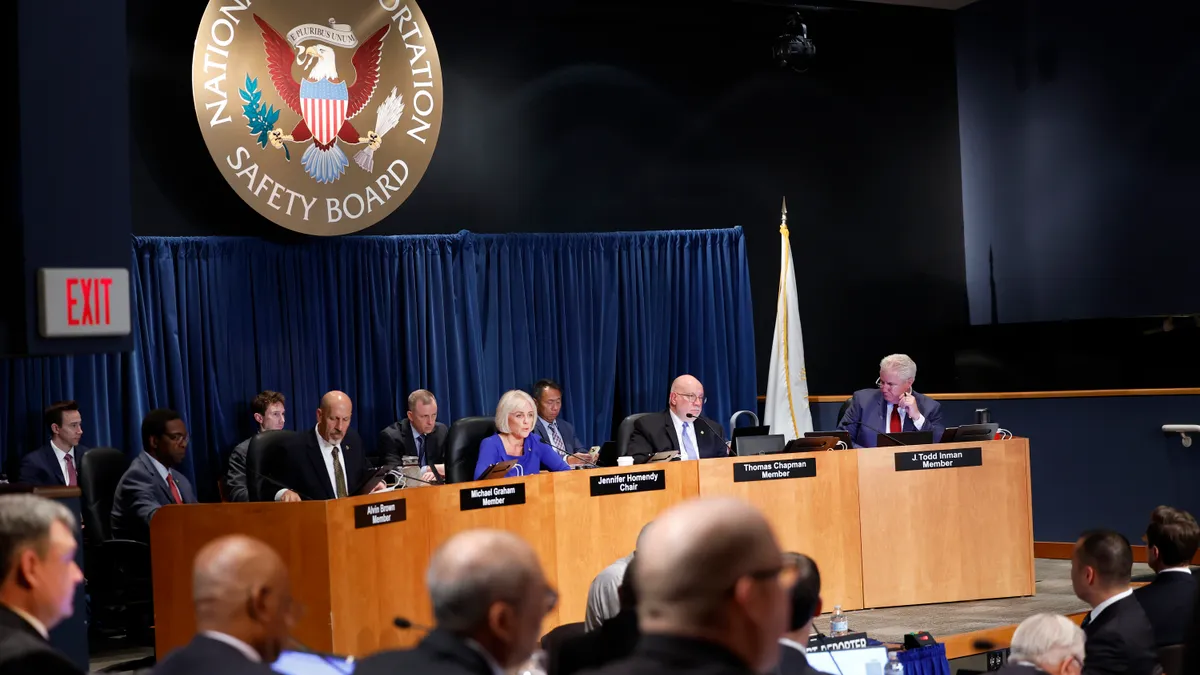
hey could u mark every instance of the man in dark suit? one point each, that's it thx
(57, 462)
(806, 606)
(1119, 636)
(555, 432)
(679, 427)
(243, 605)
(1046, 644)
(892, 408)
(612, 640)
(38, 576)
(711, 591)
(1171, 541)
(153, 479)
(489, 597)
(269, 409)
(419, 435)
(327, 462)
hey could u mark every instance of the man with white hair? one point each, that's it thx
(1049, 643)
(893, 407)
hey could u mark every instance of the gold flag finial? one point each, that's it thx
(783, 228)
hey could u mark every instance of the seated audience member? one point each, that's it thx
(57, 462)
(806, 606)
(419, 435)
(893, 407)
(242, 599)
(711, 593)
(1046, 644)
(152, 479)
(1171, 540)
(38, 576)
(555, 432)
(514, 439)
(613, 640)
(1119, 636)
(269, 409)
(679, 427)
(604, 599)
(489, 598)
(327, 462)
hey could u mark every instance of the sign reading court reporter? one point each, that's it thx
(321, 126)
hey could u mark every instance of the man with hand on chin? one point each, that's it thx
(893, 407)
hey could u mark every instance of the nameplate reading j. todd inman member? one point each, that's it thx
(779, 469)
(379, 513)
(626, 483)
(486, 498)
(939, 459)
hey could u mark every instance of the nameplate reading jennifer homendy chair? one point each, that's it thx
(470, 499)
(379, 513)
(939, 459)
(626, 483)
(780, 469)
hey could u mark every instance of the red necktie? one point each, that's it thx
(72, 479)
(174, 489)
(895, 427)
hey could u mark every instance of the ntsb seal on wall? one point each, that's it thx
(321, 114)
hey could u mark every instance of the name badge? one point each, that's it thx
(470, 499)
(627, 483)
(744, 472)
(379, 513)
(939, 459)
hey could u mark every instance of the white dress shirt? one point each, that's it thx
(487, 656)
(1185, 570)
(62, 462)
(788, 642)
(31, 620)
(691, 432)
(1102, 606)
(887, 416)
(249, 652)
(162, 470)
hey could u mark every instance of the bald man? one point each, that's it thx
(679, 427)
(243, 605)
(328, 462)
(712, 589)
(489, 597)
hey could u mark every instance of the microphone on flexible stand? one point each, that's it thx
(404, 624)
(720, 436)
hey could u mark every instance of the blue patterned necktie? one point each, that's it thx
(421, 450)
(555, 439)
(689, 450)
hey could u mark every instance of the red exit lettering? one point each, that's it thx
(92, 294)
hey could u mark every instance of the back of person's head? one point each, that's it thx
(240, 587)
(1050, 641)
(806, 590)
(38, 573)
(1171, 537)
(1109, 557)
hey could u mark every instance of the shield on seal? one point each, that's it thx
(323, 104)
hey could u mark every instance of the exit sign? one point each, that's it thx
(83, 302)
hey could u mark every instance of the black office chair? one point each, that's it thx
(1171, 659)
(625, 431)
(842, 411)
(462, 447)
(266, 464)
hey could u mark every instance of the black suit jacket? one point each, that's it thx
(235, 475)
(1019, 669)
(204, 656)
(792, 661)
(396, 441)
(306, 473)
(41, 466)
(1168, 602)
(658, 654)
(1120, 641)
(440, 653)
(656, 433)
(615, 639)
(24, 650)
(140, 493)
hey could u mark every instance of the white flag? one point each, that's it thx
(787, 410)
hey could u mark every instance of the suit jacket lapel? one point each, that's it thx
(406, 438)
(676, 441)
(313, 451)
(55, 468)
(164, 492)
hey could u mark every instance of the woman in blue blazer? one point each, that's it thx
(515, 419)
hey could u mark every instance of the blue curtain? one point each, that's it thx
(612, 317)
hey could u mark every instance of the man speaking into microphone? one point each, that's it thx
(679, 427)
(893, 407)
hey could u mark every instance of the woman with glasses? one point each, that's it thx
(515, 418)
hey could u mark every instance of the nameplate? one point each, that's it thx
(470, 499)
(939, 459)
(779, 469)
(627, 483)
(379, 513)
(833, 644)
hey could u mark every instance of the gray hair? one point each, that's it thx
(25, 522)
(471, 572)
(420, 396)
(1047, 640)
(509, 402)
(899, 364)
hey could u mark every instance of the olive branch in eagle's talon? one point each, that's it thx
(261, 118)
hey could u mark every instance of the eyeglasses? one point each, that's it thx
(786, 572)
(693, 397)
(177, 437)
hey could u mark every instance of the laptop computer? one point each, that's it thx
(760, 445)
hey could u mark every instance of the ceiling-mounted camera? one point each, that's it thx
(793, 49)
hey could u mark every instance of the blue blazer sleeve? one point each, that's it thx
(549, 458)
(491, 451)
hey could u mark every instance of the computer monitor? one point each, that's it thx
(744, 432)
(760, 445)
(608, 454)
(969, 433)
(867, 661)
(306, 663)
(905, 438)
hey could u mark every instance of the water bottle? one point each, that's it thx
(893, 667)
(838, 624)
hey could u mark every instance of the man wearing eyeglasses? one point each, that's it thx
(153, 479)
(893, 407)
(680, 427)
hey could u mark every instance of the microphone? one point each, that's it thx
(720, 436)
(404, 624)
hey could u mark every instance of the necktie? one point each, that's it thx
(556, 439)
(689, 450)
(339, 476)
(895, 427)
(1086, 620)
(71, 477)
(174, 489)
(421, 450)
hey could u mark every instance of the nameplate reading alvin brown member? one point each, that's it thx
(780, 469)
(628, 483)
(380, 513)
(470, 499)
(939, 459)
